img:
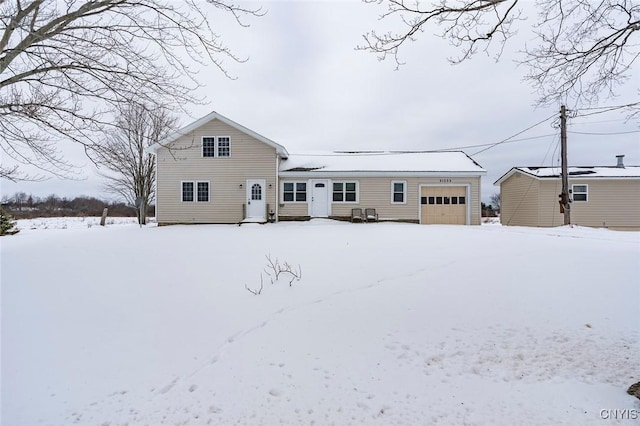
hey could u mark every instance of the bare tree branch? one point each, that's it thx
(64, 65)
(584, 48)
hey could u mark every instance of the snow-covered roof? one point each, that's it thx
(215, 116)
(575, 172)
(317, 163)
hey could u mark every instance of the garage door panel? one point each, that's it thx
(444, 205)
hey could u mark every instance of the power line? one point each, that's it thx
(602, 110)
(513, 136)
(494, 143)
(605, 133)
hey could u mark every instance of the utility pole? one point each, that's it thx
(565, 206)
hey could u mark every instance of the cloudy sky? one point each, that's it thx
(306, 87)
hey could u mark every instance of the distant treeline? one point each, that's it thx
(27, 206)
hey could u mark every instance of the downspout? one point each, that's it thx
(277, 203)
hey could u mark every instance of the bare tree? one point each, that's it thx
(495, 201)
(583, 47)
(131, 171)
(64, 65)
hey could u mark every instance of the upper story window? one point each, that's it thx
(208, 147)
(294, 191)
(345, 192)
(216, 146)
(580, 192)
(224, 146)
(399, 192)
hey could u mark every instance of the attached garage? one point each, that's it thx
(416, 187)
(443, 205)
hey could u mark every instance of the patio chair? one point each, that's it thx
(356, 215)
(370, 215)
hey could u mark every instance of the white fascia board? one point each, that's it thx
(508, 175)
(331, 174)
(281, 150)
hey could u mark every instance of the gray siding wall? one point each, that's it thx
(250, 159)
(519, 200)
(376, 192)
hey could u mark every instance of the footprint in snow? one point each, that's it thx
(275, 392)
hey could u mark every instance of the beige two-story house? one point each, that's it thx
(218, 171)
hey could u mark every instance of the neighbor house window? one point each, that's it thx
(195, 192)
(216, 146)
(345, 192)
(294, 192)
(399, 192)
(580, 192)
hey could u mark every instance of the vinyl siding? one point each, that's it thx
(250, 159)
(519, 200)
(375, 192)
(612, 203)
(548, 201)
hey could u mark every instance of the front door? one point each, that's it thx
(319, 198)
(256, 208)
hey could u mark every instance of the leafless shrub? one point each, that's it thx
(273, 270)
(286, 268)
(256, 291)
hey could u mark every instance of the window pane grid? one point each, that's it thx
(345, 192)
(203, 191)
(208, 147)
(187, 191)
(580, 192)
(294, 191)
(224, 147)
(398, 192)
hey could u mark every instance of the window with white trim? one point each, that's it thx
(580, 192)
(399, 192)
(224, 146)
(187, 192)
(293, 192)
(194, 191)
(345, 192)
(216, 146)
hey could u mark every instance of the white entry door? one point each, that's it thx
(256, 208)
(319, 198)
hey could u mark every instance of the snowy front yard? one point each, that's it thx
(390, 324)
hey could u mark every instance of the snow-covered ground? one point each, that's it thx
(390, 324)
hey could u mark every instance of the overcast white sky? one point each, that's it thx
(307, 88)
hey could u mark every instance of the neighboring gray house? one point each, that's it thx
(217, 171)
(602, 196)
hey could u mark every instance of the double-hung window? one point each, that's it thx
(195, 192)
(294, 192)
(399, 192)
(345, 192)
(580, 192)
(216, 146)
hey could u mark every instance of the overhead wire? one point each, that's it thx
(604, 133)
(513, 136)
